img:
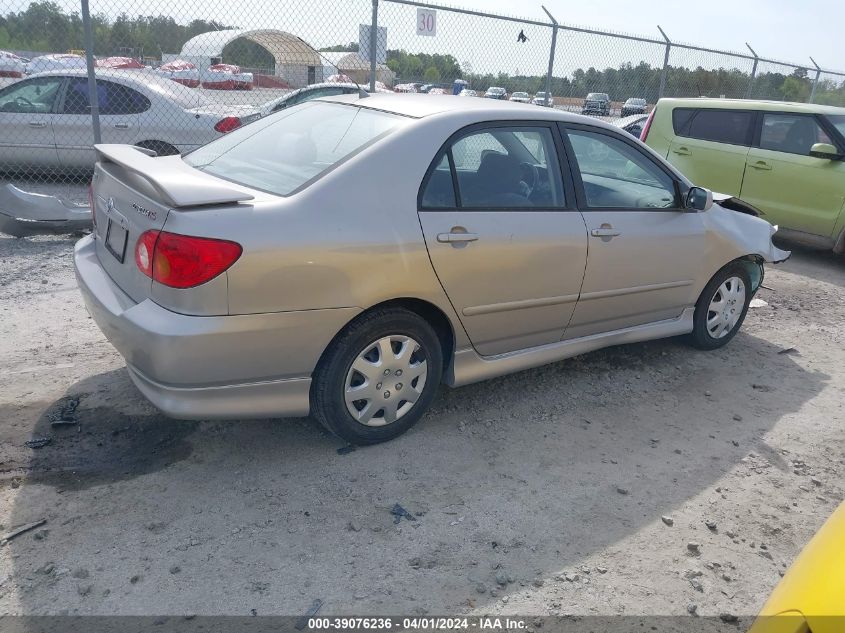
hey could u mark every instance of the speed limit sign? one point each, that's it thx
(426, 22)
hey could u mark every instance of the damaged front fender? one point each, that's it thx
(734, 220)
(23, 213)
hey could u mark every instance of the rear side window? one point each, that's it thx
(733, 127)
(497, 168)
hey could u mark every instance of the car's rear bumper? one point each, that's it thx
(200, 367)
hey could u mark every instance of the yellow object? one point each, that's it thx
(811, 596)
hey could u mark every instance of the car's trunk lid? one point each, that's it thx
(133, 193)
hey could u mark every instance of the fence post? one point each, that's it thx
(551, 56)
(88, 34)
(753, 71)
(373, 44)
(665, 63)
(815, 81)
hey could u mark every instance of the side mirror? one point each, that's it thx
(699, 199)
(825, 150)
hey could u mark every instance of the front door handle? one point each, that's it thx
(605, 231)
(762, 165)
(121, 126)
(455, 238)
(37, 124)
(682, 151)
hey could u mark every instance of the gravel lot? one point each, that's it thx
(537, 493)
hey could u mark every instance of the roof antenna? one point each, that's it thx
(362, 94)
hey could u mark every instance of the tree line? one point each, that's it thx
(44, 26)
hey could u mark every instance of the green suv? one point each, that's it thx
(786, 159)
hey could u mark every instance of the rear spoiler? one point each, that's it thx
(179, 184)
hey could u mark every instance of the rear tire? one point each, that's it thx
(721, 308)
(392, 359)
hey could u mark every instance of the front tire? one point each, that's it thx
(378, 377)
(721, 308)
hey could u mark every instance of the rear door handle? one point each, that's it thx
(605, 231)
(454, 238)
(37, 124)
(121, 126)
(761, 164)
(682, 151)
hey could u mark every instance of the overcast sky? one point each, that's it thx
(779, 29)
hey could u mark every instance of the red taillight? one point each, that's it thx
(647, 126)
(183, 261)
(228, 124)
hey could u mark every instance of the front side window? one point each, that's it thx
(285, 151)
(33, 96)
(791, 133)
(112, 98)
(508, 167)
(619, 176)
(733, 127)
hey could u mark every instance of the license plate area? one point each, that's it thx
(116, 238)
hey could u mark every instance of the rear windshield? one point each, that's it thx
(287, 150)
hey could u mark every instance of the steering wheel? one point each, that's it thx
(598, 151)
(24, 102)
(529, 171)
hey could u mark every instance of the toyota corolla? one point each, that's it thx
(346, 256)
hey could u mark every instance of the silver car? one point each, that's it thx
(45, 119)
(310, 263)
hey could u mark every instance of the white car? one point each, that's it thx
(12, 65)
(540, 99)
(521, 97)
(45, 119)
(58, 61)
(466, 92)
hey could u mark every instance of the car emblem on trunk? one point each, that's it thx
(143, 211)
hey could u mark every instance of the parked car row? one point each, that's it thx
(599, 103)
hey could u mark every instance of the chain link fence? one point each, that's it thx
(171, 76)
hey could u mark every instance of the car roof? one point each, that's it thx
(142, 75)
(752, 104)
(423, 105)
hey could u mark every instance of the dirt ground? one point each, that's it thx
(538, 493)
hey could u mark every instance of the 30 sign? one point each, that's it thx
(426, 22)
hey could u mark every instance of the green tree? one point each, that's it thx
(432, 75)
(795, 89)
